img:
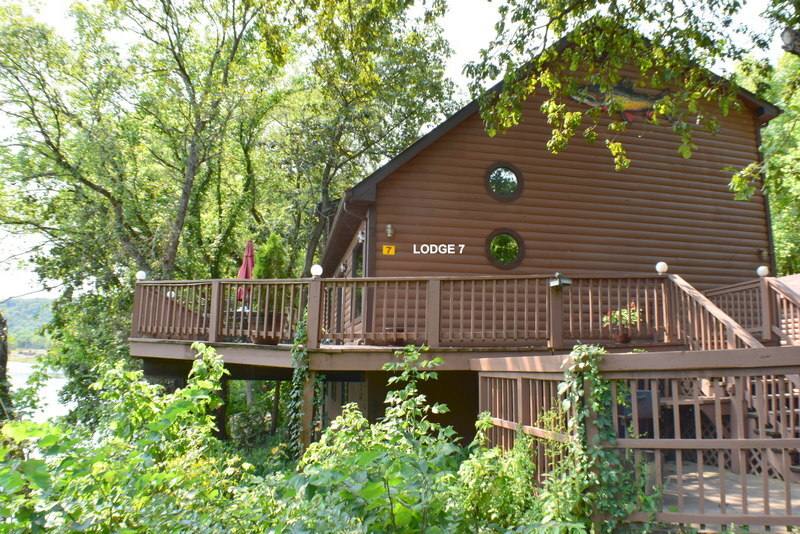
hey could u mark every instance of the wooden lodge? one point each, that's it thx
(456, 244)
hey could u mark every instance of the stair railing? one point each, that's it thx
(785, 311)
(701, 324)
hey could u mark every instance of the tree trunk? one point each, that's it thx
(221, 413)
(248, 392)
(276, 408)
(5, 393)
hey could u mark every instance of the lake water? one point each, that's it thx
(18, 374)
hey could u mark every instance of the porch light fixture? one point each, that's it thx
(316, 270)
(389, 230)
(141, 275)
(361, 236)
(762, 271)
(662, 267)
(171, 294)
(560, 281)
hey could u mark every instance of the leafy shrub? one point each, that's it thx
(152, 465)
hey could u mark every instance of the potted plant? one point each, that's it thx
(624, 318)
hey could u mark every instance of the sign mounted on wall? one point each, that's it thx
(389, 250)
(622, 97)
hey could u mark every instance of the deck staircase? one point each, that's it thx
(769, 308)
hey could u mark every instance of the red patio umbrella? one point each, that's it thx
(246, 270)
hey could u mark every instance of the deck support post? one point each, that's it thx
(314, 313)
(216, 301)
(555, 319)
(307, 420)
(766, 310)
(433, 313)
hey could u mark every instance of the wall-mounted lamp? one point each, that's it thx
(343, 267)
(762, 271)
(316, 270)
(171, 294)
(560, 281)
(361, 236)
(141, 275)
(389, 230)
(662, 267)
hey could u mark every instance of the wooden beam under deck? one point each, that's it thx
(329, 358)
(238, 353)
(693, 363)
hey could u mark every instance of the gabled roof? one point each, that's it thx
(363, 194)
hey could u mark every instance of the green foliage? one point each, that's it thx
(628, 316)
(148, 452)
(271, 260)
(88, 330)
(26, 318)
(563, 47)
(151, 465)
(300, 374)
(780, 168)
(592, 480)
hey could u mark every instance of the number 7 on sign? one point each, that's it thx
(389, 250)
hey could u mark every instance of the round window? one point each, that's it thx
(504, 181)
(505, 249)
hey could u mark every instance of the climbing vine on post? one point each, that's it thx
(605, 481)
(299, 377)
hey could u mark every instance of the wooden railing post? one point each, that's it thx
(555, 319)
(314, 313)
(433, 313)
(138, 294)
(670, 323)
(767, 316)
(216, 309)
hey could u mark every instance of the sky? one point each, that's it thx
(468, 26)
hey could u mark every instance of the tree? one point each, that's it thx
(781, 148)
(375, 77)
(5, 388)
(130, 157)
(672, 43)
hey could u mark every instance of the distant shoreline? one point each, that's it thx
(26, 355)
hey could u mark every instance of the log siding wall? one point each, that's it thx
(577, 215)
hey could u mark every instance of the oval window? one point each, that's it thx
(504, 181)
(504, 248)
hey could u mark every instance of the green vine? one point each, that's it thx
(294, 424)
(603, 482)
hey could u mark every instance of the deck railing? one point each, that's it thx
(718, 431)
(525, 311)
(766, 307)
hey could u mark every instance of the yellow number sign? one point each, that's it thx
(389, 250)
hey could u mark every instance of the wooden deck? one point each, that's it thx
(719, 431)
(713, 411)
(463, 314)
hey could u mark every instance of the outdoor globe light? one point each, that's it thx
(662, 267)
(141, 275)
(316, 270)
(762, 271)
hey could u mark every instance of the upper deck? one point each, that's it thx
(355, 324)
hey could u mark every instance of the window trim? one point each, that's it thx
(513, 168)
(517, 261)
